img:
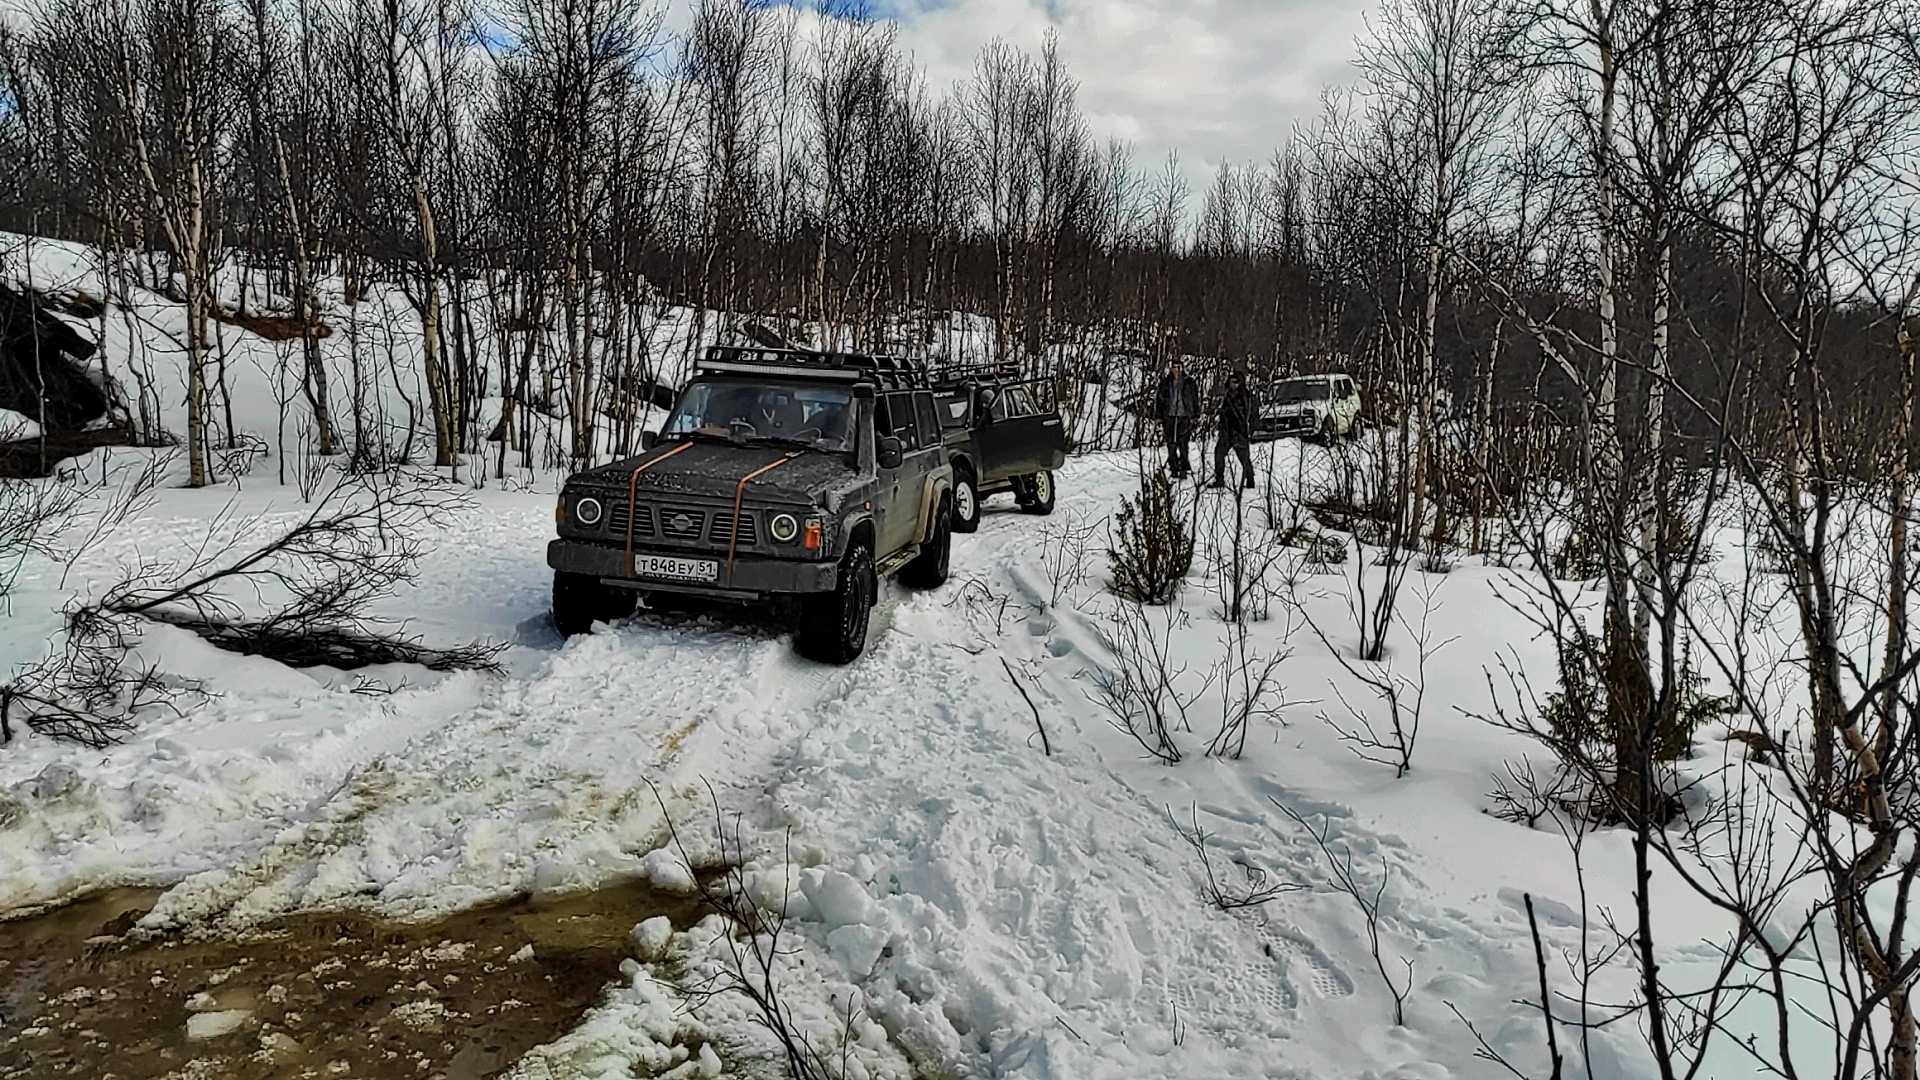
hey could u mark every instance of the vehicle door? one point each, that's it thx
(1048, 447)
(933, 446)
(900, 489)
(1017, 438)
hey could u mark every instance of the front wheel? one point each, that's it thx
(966, 500)
(580, 600)
(1036, 493)
(928, 570)
(833, 626)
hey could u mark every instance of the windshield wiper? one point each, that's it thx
(824, 445)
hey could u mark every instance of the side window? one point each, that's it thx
(997, 410)
(954, 409)
(929, 419)
(900, 412)
(1019, 401)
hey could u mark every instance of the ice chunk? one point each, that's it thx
(667, 870)
(857, 947)
(212, 1025)
(651, 936)
(837, 899)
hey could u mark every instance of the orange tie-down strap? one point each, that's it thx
(633, 488)
(739, 493)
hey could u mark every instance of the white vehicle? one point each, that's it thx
(1309, 406)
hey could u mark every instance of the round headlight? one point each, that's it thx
(784, 528)
(587, 511)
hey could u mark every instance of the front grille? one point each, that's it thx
(679, 524)
(617, 520)
(723, 534)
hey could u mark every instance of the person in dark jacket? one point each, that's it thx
(1177, 404)
(1238, 411)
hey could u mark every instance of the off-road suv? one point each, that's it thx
(1310, 406)
(780, 478)
(1003, 433)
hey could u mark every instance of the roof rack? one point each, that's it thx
(948, 374)
(893, 372)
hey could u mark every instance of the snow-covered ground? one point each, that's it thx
(961, 902)
(994, 910)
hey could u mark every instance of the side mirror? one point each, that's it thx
(647, 441)
(887, 452)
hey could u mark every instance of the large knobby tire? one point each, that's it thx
(966, 500)
(928, 570)
(1036, 493)
(580, 600)
(833, 625)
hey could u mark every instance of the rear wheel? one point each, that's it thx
(966, 500)
(833, 625)
(928, 570)
(1036, 493)
(580, 600)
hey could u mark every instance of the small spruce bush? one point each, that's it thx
(1152, 548)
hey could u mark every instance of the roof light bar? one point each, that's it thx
(812, 372)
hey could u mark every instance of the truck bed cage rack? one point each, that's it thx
(892, 372)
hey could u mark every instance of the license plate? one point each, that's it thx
(665, 566)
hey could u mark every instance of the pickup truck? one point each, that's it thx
(1003, 433)
(781, 479)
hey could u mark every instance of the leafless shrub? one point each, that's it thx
(754, 951)
(234, 459)
(1251, 887)
(1146, 692)
(1523, 797)
(1240, 560)
(982, 605)
(1346, 879)
(1389, 739)
(32, 512)
(1250, 691)
(90, 691)
(1319, 550)
(358, 541)
(1064, 548)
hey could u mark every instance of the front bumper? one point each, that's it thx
(752, 576)
(1274, 427)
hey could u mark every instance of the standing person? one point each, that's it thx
(1177, 403)
(1237, 412)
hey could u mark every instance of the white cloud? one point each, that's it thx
(1217, 80)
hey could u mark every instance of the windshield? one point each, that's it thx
(1294, 391)
(819, 417)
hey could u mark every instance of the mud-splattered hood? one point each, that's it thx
(714, 470)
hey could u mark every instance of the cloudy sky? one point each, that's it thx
(1216, 79)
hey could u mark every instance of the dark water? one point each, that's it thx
(309, 995)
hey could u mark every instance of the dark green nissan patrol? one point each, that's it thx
(785, 479)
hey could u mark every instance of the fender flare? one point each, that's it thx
(938, 487)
